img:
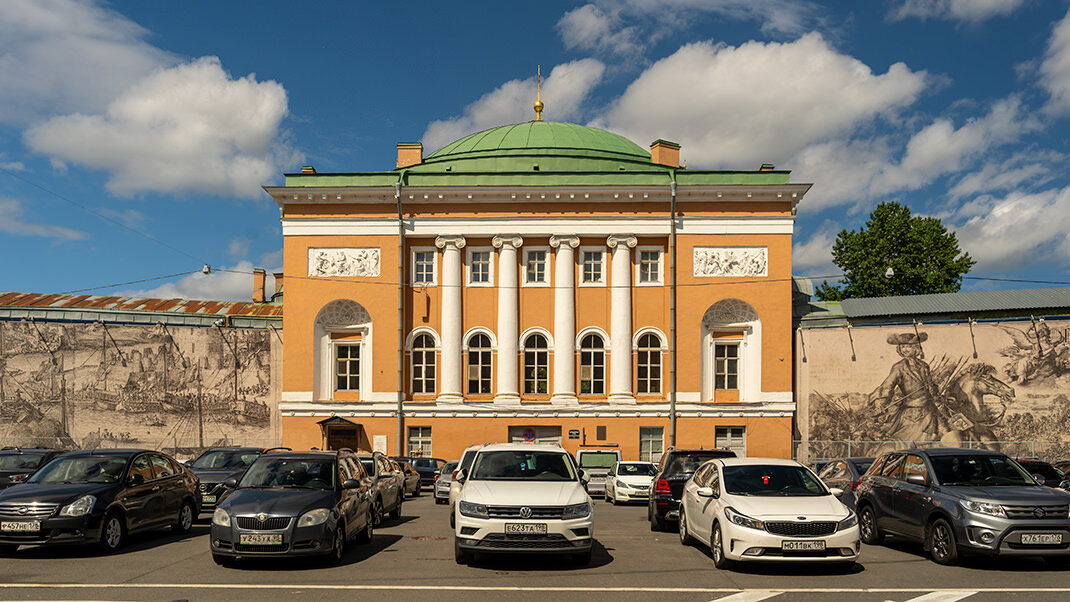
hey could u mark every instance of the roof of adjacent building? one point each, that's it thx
(82, 308)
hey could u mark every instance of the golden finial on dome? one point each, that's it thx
(538, 94)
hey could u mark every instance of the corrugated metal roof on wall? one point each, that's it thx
(950, 303)
(178, 306)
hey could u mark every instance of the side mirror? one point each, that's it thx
(916, 479)
(188, 462)
(230, 483)
(460, 476)
(584, 476)
(1039, 479)
(350, 484)
(1065, 485)
(705, 492)
(136, 479)
(835, 491)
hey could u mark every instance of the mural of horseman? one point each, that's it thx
(907, 400)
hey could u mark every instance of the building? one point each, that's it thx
(518, 284)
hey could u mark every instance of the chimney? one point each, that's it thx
(663, 152)
(278, 283)
(410, 153)
(308, 169)
(259, 277)
(767, 167)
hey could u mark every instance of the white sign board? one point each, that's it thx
(379, 443)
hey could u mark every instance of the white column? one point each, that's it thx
(620, 318)
(452, 321)
(564, 318)
(508, 387)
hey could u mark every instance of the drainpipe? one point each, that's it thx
(401, 318)
(672, 312)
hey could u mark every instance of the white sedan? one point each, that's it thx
(630, 482)
(760, 509)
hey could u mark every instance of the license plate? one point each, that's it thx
(802, 546)
(260, 538)
(208, 499)
(33, 525)
(526, 528)
(1042, 538)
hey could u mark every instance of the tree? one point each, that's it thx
(923, 255)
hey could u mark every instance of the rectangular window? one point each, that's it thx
(650, 266)
(420, 441)
(600, 433)
(423, 267)
(592, 267)
(726, 366)
(731, 437)
(651, 443)
(347, 373)
(535, 271)
(479, 267)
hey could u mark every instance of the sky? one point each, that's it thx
(135, 136)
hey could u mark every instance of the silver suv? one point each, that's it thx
(959, 501)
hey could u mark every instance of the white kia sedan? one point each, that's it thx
(760, 509)
(630, 482)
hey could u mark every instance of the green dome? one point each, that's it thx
(547, 138)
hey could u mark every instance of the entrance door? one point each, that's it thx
(535, 434)
(342, 436)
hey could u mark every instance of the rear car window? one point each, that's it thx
(690, 461)
(598, 459)
(1042, 468)
(861, 465)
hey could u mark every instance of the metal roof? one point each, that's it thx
(543, 135)
(137, 309)
(953, 303)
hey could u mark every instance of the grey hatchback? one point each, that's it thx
(958, 501)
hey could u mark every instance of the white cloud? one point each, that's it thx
(12, 222)
(238, 247)
(563, 93)
(63, 56)
(968, 11)
(13, 166)
(592, 28)
(1020, 229)
(1054, 70)
(185, 128)
(815, 255)
(233, 283)
(741, 106)
(131, 218)
(1023, 168)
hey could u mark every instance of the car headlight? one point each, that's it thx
(79, 507)
(983, 508)
(577, 510)
(221, 518)
(850, 521)
(473, 510)
(620, 483)
(742, 519)
(314, 517)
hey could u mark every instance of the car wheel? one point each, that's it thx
(942, 544)
(656, 522)
(685, 536)
(453, 519)
(717, 549)
(584, 558)
(185, 519)
(377, 513)
(222, 560)
(365, 536)
(461, 556)
(112, 532)
(338, 548)
(416, 492)
(439, 501)
(867, 527)
(395, 514)
(614, 499)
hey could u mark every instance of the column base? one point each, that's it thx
(449, 398)
(564, 399)
(507, 399)
(621, 398)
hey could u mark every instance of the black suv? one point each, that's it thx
(98, 496)
(958, 501)
(217, 464)
(294, 504)
(17, 463)
(675, 468)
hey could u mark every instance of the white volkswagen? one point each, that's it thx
(520, 497)
(758, 509)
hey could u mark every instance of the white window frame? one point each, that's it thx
(359, 344)
(434, 265)
(639, 265)
(605, 362)
(546, 267)
(660, 453)
(409, 439)
(493, 352)
(726, 427)
(738, 344)
(490, 266)
(750, 352)
(410, 342)
(605, 275)
(662, 346)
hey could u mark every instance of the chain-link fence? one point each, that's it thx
(170, 445)
(810, 451)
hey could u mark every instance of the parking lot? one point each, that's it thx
(414, 556)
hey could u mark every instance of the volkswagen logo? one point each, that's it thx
(23, 510)
(261, 517)
(1038, 512)
(525, 512)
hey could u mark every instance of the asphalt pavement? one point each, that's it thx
(412, 558)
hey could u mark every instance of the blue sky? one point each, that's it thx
(158, 122)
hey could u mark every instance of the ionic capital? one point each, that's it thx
(512, 240)
(621, 239)
(455, 242)
(564, 239)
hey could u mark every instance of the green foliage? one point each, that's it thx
(924, 256)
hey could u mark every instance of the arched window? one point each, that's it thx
(592, 365)
(648, 364)
(423, 364)
(536, 365)
(479, 364)
(731, 352)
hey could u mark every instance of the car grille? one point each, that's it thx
(793, 529)
(502, 541)
(1030, 512)
(207, 487)
(272, 523)
(536, 511)
(33, 510)
(245, 547)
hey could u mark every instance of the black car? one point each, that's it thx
(675, 468)
(216, 465)
(16, 464)
(428, 468)
(410, 484)
(98, 496)
(1044, 473)
(845, 474)
(387, 486)
(294, 504)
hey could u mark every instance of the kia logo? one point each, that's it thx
(525, 512)
(1038, 512)
(801, 517)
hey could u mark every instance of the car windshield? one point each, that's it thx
(862, 465)
(637, 470)
(979, 470)
(598, 459)
(447, 470)
(1043, 469)
(424, 463)
(289, 472)
(20, 461)
(225, 459)
(81, 469)
(774, 479)
(522, 465)
(689, 462)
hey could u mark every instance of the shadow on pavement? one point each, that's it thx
(355, 554)
(988, 563)
(527, 562)
(138, 542)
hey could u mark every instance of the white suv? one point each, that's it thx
(520, 497)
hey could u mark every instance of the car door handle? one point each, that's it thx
(156, 488)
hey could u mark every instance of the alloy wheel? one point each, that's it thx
(941, 541)
(185, 517)
(866, 524)
(718, 552)
(113, 532)
(339, 544)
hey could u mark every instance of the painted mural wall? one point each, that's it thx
(172, 388)
(1002, 385)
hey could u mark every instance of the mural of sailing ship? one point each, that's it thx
(89, 384)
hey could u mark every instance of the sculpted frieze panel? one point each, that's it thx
(729, 262)
(343, 262)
